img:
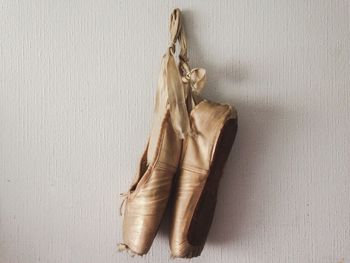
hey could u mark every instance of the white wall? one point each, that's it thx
(77, 85)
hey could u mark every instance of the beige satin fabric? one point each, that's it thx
(208, 118)
(170, 98)
(181, 127)
(177, 86)
(207, 121)
(148, 197)
(145, 202)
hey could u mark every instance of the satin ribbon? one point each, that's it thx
(191, 81)
(176, 98)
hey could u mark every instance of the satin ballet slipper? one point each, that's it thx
(195, 189)
(147, 198)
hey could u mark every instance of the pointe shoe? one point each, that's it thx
(203, 159)
(147, 198)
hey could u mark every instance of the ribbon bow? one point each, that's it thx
(196, 77)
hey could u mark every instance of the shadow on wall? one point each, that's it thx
(241, 178)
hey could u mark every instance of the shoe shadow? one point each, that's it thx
(241, 180)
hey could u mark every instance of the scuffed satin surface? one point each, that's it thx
(208, 118)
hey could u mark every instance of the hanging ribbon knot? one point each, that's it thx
(196, 78)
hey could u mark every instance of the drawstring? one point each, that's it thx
(125, 197)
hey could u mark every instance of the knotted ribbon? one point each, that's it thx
(196, 78)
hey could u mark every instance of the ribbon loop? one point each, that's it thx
(177, 33)
(196, 77)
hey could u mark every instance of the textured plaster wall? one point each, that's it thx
(77, 86)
